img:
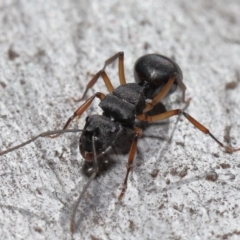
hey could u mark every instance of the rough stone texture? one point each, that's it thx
(188, 189)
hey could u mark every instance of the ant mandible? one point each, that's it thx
(156, 77)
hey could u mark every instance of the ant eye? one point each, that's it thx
(113, 129)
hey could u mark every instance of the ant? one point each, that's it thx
(156, 77)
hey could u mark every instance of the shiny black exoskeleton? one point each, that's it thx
(153, 71)
(121, 107)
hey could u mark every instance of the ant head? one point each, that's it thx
(104, 131)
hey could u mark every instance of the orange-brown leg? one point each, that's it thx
(162, 116)
(102, 73)
(138, 134)
(81, 110)
(166, 90)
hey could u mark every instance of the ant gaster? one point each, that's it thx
(156, 76)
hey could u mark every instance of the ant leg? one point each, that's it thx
(81, 110)
(161, 94)
(166, 90)
(199, 126)
(54, 134)
(120, 56)
(121, 68)
(102, 73)
(106, 80)
(183, 89)
(138, 134)
(175, 125)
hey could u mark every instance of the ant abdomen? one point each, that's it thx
(156, 70)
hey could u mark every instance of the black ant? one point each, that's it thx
(156, 77)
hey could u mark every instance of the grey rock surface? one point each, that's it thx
(188, 189)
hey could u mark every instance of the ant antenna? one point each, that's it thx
(44, 134)
(94, 174)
